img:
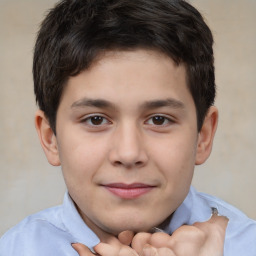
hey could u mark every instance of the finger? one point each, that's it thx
(127, 251)
(106, 249)
(165, 252)
(222, 221)
(202, 238)
(140, 240)
(216, 226)
(111, 240)
(126, 237)
(188, 239)
(110, 250)
(160, 240)
(149, 250)
(219, 220)
(82, 250)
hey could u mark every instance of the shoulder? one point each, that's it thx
(223, 207)
(34, 234)
(49, 216)
(234, 214)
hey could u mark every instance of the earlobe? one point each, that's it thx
(206, 136)
(47, 138)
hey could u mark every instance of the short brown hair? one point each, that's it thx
(75, 31)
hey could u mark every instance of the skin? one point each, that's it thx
(128, 119)
(199, 239)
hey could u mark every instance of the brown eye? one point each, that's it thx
(158, 120)
(95, 120)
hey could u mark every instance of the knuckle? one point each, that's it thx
(160, 239)
(139, 240)
(190, 233)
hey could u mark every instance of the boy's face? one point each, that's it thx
(127, 140)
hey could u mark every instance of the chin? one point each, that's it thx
(134, 226)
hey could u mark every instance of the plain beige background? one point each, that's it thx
(28, 183)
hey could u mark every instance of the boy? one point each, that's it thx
(126, 92)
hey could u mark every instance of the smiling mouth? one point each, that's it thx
(129, 191)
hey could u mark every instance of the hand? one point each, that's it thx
(200, 239)
(112, 246)
(82, 250)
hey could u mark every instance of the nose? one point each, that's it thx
(128, 149)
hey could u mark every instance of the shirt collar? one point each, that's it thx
(193, 209)
(76, 226)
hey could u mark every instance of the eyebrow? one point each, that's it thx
(98, 103)
(170, 102)
(153, 104)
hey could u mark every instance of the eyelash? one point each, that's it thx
(105, 121)
(166, 121)
(88, 120)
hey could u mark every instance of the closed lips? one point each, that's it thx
(129, 191)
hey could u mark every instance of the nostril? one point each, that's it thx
(117, 163)
(128, 165)
(138, 163)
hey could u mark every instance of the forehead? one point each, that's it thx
(129, 77)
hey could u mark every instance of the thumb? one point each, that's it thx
(215, 223)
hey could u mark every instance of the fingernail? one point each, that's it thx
(73, 245)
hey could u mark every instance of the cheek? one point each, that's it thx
(175, 159)
(80, 160)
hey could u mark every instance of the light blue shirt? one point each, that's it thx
(51, 232)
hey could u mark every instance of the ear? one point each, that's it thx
(47, 138)
(206, 135)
